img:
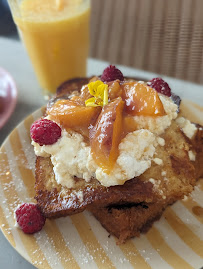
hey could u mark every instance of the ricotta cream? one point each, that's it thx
(71, 156)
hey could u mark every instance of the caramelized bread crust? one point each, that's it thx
(181, 173)
(55, 200)
(129, 220)
(197, 145)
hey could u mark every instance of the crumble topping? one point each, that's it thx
(161, 141)
(188, 128)
(191, 155)
(158, 161)
(163, 173)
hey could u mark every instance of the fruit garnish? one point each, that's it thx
(160, 86)
(45, 132)
(71, 114)
(100, 92)
(106, 135)
(111, 73)
(114, 89)
(140, 99)
(29, 218)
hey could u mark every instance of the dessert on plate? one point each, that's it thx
(117, 147)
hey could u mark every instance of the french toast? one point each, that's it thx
(127, 221)
(128, 209)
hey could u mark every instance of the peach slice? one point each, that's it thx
(114, 89)
(129, 125)
(140, 99)
(70, 114)
(106, 135)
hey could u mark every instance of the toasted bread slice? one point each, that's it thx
(152, 186)
(127, 221)
(55, 200)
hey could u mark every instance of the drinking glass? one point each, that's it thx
(56, 36)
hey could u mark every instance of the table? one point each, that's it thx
(13, 58)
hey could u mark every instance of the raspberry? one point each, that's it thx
(29, 218)
(111, 73)
(160, 86)
(45, 132)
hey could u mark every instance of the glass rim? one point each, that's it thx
(15, 6)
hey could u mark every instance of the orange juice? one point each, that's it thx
(56, 36)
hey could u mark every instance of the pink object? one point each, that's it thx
(8, 96)
(160, 86)
(29, 218)
(111, 73)
(45, 132)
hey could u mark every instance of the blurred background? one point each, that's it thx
(164, 37)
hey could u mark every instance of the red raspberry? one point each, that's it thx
(29, 218)
(111, 73)
(160, 86)
(45, 132)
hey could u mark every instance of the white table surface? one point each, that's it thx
(14, 59)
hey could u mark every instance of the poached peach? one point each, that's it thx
(106, 135)
(70, 114)
(140, 99)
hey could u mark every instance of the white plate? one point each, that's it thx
(79, 241)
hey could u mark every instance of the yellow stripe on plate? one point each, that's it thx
(6, 180)
(29, 241)
(165, 251)
(55, 236)
(132, 254)
(190, 204)
(22, 163)
(184, 232)
(91, 242)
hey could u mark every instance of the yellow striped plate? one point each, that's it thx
(79, 241)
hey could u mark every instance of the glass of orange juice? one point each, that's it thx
(56, 36)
